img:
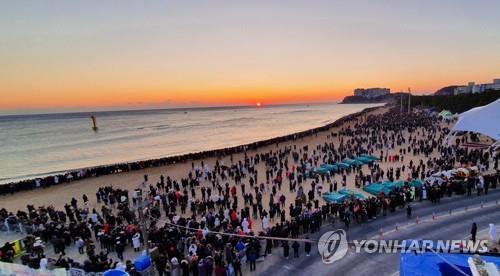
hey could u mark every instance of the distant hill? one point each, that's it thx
(391, 98)
(448, 90)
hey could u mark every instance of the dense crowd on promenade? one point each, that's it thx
(201, 226)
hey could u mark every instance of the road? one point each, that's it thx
(443, 226)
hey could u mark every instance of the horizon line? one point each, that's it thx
(119, 109)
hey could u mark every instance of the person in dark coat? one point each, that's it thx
(473, 232)
(295, 247)
(286, 249)
(161, 264)
(307, 248)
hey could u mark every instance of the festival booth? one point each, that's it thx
(454, 174)
(442, 264)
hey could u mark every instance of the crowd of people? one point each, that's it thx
(199, 224)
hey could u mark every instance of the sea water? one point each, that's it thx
(37, 145)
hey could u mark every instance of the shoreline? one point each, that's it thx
(79, 174)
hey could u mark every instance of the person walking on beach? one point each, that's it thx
(408, 211)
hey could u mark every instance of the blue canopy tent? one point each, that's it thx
(322, 170)
(377, 188)
(417, 183)
(352, 162)
(351, 193)
(394, 185)
(343, 165)
(334, 197)
(330, 167)
(364, 160)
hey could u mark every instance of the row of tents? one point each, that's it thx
(387, 187)
(325, 169)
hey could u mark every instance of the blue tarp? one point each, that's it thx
(412, 264)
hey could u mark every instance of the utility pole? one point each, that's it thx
(401, 106)
(409, 99)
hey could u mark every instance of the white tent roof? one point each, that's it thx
(483, 119)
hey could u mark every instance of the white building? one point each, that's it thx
(473, 88)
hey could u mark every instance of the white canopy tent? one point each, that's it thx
(484, 119)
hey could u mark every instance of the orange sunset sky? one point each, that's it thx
(128, 54)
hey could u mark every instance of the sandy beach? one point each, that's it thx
(59, 195)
